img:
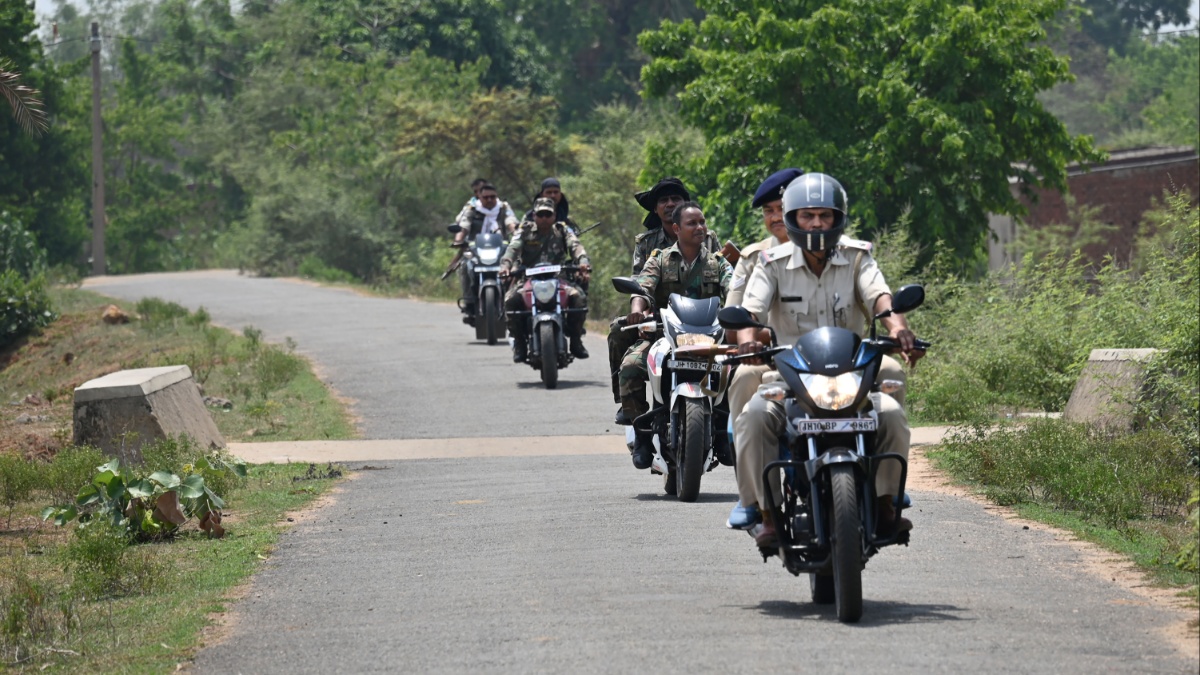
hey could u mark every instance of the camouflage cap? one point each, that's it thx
(543, 204)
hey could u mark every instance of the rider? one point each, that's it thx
(491, 214)
(688, 267)
(548, 241)
(552, 189)
(819, 278)
(661, 201)
(463, 218)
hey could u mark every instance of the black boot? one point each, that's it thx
(643, 450)
(621, 418)
(519, 349)
(469, 314)
(577, 348)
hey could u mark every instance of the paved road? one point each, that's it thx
(577, 563)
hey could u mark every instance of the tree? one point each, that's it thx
(928, 106)
(1112, 22)
(43, 178)
(25, 104)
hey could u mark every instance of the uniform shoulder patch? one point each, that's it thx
(642, 236)
(655, 252)
(855, 243)
(780, 252)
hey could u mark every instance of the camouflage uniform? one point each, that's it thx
(663, 275)
(619, 341)
(527, 249)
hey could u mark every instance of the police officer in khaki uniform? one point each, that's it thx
(688, 268)
(660, 201)
(545, 240)
(819, 278)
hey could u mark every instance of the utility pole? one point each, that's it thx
(98, 219)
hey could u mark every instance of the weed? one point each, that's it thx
(312, 473)
(31, 614)
(95, 559)
(274, 368)
(18, 478)
(253, 337)
(71, 469)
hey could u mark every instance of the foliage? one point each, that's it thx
(18, 479)
(1017, 340)
(24, 306)
(1110, 22)
(102, 563)
(1189, 556)
(70, 468)
(144, 507)
(26, 107)
(1105, 474)
(923, 106)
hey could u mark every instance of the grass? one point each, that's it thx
(55, 613)
(1125, 490)
(155, 630)
(273, 392)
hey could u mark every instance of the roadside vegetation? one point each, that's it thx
(1016, 343)
(118, 568)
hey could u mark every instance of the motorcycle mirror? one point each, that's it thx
(454, 228)
(908, 298)
(627, 286)
(736, 317)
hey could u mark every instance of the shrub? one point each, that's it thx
(70, 470)
(158, 314)
(24, 306)
(312, 267)
(18, 478)
(31, 613)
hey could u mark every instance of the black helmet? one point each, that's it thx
(815, 191)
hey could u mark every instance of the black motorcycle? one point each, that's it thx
(482, 259)
(826, 524)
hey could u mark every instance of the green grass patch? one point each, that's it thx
(171, 587)
(1128, 491)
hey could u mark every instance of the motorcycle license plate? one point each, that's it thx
(543, 269)
(489, 268)
(834, 426)
(692, 365)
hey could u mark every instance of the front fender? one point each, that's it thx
(814, 467)
(543, 317)
(690, 390)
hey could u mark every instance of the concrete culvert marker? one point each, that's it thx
(1109, 386)
(122, 411)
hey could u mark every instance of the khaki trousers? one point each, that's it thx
(762, 423)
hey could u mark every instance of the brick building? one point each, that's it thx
(1123, 188)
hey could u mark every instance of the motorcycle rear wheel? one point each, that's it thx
(549, 345)
(491, 314)
(847, 544)
(694, 451)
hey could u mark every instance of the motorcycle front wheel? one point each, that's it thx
(846, 544)
(694, 450)
(491, 314)
(549, 354)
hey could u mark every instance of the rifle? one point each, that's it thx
(455, 262)
(589, 229)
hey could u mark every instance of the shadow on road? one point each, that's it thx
(563, 384)
(885, 613)
(704, 498)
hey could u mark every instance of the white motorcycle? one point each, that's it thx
(689, 412)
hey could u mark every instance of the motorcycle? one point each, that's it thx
(546, 310)
(826, 525)
(483, 265)
(689, 411)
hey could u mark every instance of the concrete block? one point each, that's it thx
(1109, 387)
(122, 411)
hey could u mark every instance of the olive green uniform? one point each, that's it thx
(529, 248)
(666, 272)
(620, 341)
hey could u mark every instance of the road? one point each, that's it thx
(511, 562)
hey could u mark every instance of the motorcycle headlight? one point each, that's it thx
(832, 393)
(692, 339)
(544, 290)
(489, 256)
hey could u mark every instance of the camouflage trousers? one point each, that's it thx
(633, 377)
(619, 342)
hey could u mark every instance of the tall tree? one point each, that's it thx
(1112, 22)
(925, 107)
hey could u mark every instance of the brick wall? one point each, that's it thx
(1123, 188)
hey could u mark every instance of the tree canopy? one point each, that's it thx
(920, 107)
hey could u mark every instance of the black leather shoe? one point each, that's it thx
(643, 452)
(577, 348)
(621, 418)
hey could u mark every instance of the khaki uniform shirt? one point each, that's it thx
(745, 267)
(666, 272)
(529, 248)
(658, 240)
(796, 301)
